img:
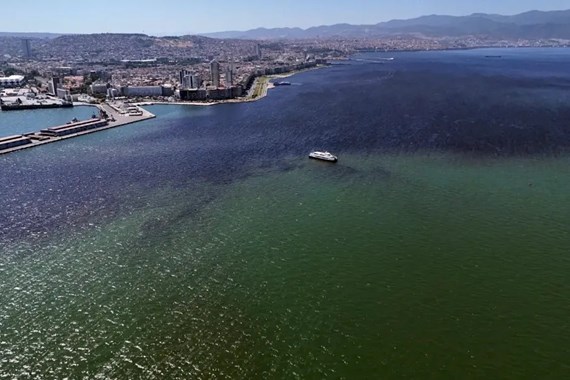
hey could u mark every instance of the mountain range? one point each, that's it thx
(528, 25)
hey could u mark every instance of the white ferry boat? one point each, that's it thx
(325, 156)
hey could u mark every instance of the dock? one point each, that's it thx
(33, 106)
(24, 99)
(111, 116)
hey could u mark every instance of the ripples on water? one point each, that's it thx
(203, 244)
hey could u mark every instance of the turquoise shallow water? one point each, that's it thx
(19, 122)
(205, 244)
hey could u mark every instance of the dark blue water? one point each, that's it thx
(455, 101)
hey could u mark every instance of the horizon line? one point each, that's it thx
(204, 34)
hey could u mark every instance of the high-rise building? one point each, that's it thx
(258, 51)
(229, 75)
(215, 73)
(26, 48)
(53, 85)
(181, 76)
(189, 80)
(194, 81)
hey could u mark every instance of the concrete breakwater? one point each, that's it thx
(110, 117)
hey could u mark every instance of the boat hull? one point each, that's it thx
(327, 159)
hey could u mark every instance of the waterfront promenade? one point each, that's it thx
(114, 118)
(258, 90)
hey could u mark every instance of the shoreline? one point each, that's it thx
(258, 90)
(364, 51)
(263, 90)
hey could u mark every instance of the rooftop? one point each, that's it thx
(13, 77)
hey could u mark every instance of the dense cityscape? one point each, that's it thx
(196, 68)
(141, 66)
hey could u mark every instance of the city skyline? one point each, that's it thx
(192, 17)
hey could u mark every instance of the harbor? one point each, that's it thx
(28, 99)
(111, 115)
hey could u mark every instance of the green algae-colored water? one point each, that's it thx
(398, 266)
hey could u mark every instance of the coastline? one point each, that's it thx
(365, 51)
(260, 88)
(118, 120)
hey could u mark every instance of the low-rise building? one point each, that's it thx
(12, 81)
(64, 93)
(13, 141)
(142, 91)
(99, 88)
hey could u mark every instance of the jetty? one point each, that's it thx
(110, 116)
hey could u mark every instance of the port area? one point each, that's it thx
(111, 115)
(23, 99)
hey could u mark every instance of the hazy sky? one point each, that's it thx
(202, 16)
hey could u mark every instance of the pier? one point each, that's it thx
(111, 116)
